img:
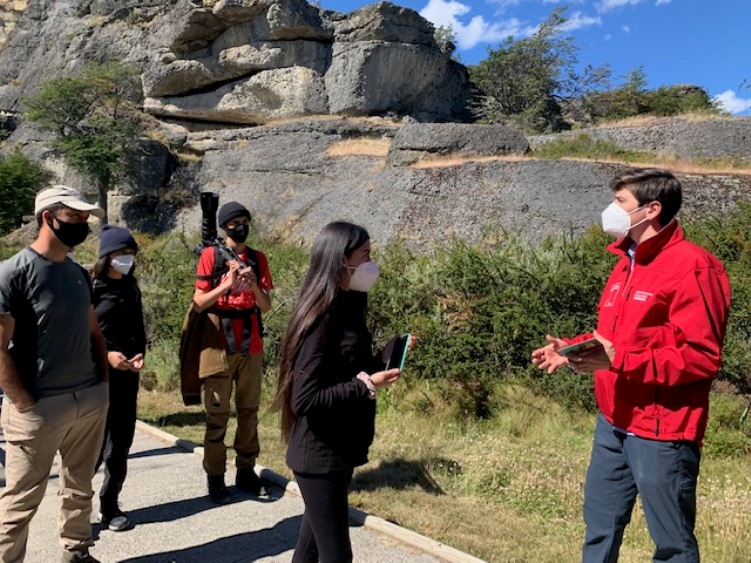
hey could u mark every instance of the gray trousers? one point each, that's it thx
(664, 474)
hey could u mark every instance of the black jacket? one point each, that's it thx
(334, 416)
(120, 314)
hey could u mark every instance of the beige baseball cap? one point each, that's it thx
(68, 197)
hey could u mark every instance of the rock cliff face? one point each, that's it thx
(242, 61)
(216, 72)
(298, 176)
(673, 137)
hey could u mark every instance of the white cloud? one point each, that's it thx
(503, 4)
(608, 37)
(579, 21)
(661, 2)
(607, 5)
(730, 102)
(478, 29)
(625, 29)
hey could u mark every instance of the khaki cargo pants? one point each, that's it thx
(245, 372)
(73, 424)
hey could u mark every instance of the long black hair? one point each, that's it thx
(335, 242)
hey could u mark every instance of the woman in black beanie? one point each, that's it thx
(117, 301)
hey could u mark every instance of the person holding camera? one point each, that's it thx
(233, 286)
(117, 303)
(328, 379)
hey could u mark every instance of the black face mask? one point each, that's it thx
(70, 234)
(239, 233)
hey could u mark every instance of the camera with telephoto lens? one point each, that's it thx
(209, 208)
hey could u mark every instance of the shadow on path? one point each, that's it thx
(178, 509)
(240, 547)
(168, 450)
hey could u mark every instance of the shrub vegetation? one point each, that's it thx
(20, 179)
(478, 312)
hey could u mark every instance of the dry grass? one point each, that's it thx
(446, 161)
(680, 166)
(359, 147)
(366, 119)
(674, 165)
(509, 489)
(647, 120)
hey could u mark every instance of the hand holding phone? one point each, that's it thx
(399, 352)
(580, 348)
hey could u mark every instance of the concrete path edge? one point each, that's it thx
(379, 525)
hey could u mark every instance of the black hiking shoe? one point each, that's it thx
(218, 492)
(247, 480)
(116, 520)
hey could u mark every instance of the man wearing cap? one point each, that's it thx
(53, 365)
(233, 286)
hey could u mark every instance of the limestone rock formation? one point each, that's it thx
(241, 61)
(419, 141)
(258, 60)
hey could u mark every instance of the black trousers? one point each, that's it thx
(118, 436)
(324, 532)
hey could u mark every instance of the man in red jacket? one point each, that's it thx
(661, 325)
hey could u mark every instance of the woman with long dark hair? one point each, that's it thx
(117, 302)
(328, 378)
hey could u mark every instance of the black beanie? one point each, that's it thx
(114, 238)
(232, 210)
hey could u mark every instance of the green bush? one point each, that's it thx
(477, 312)
(20, 179)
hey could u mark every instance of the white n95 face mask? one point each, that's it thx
(364, 276)
(122, 263)
(616, 221)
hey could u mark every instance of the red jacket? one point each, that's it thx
(666, 319)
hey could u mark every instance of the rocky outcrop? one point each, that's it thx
(215, 66)
(241, 61)
(673, 137)
(421, 141)
(10, 12)
(287, 176)
(255, 61)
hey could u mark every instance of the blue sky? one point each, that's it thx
(707, 43)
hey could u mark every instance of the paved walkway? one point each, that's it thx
(165, 495)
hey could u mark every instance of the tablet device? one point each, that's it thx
(399, 353)
(580, 347)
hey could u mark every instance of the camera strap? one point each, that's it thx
(226, 316)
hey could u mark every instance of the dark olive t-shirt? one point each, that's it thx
(50, 303)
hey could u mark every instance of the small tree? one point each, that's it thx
(445, 37)
(526, 80)
(20, 179)
(95, 123)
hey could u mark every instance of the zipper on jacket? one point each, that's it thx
(657, 416)
(627, 288)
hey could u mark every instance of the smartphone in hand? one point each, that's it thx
(580, 347)
(399, 352)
